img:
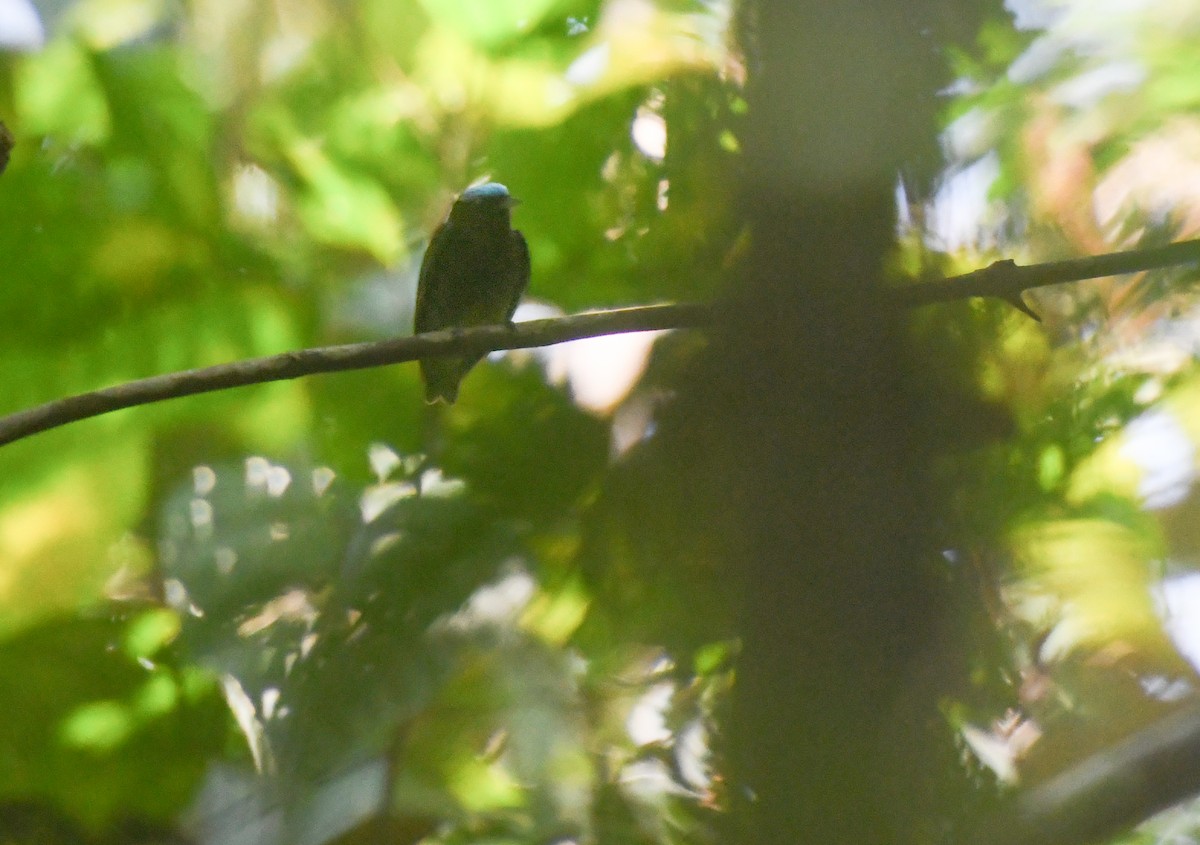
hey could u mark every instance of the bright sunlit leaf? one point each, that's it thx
(108, 23)
(99, 726)
(486, 22)
(344, 208)
(1101, 572)
(57, 94)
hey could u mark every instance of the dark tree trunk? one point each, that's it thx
(807, 410)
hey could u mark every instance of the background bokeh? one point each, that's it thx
(318, 611)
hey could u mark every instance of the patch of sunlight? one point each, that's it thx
(591, 65)
(500, 603)
(486, 21)
(435, 484)
(481, 786)
(262, 476)
(292, 606)
(255, 195)
(56, 93)
(97, 726)
(60, 542)
(379, 497)
(638, 42)
(246, 716)
(204, 479)
(526, 93)
(517, 92)
(383, 460)
(32, 528)
(647, 722)
(158, 696)
(150, 631)
(1051, 467)
(1100, 572)
(993, 751)
(693, 754)
(105, 24)
(1111, 469)
(342, 207)
(650, 781)
(649, 134)
(322, 480)
(635, 43)
(1184, 400)
(555, 616)
(283, 53)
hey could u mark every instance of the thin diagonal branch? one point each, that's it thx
(355, 356)
(1002, 279)
(1007, 280)
(1109, 792)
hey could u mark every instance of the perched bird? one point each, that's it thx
(473, 274)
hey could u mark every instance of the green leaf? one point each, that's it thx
(89, 730)
(343, 208)
(57, 93)
(485, 22)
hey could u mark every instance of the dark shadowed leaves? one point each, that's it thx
(100, 725)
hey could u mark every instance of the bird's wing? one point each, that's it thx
(519, 278)
(426, 314)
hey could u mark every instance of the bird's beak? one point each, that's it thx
(512, 201)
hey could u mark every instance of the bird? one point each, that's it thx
(473, 274)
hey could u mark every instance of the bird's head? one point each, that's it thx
(490, 201)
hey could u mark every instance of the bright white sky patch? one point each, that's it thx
(650, 134)
(20, 27)
(1158, 444)
(1180, 607)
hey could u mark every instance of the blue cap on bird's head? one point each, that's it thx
(488, 192)
(483, 205)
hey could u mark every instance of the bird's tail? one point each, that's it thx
(442, 377)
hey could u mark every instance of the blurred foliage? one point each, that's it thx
(392, 628)
(1069, 136)
(319, 612)
(104, 722)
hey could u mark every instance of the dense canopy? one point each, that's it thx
(659, 587)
